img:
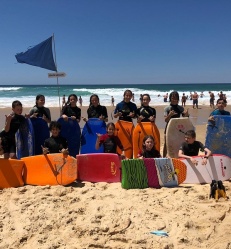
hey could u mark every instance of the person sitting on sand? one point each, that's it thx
(221, 104)
(109, 140)
(173, 111)
(39, 110)
(56, 143)
(191, 148)
(71, 110)
(148, 148)
(96, 110)
(126, 110)
(146, 113)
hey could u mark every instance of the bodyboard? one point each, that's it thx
(180, 169)
(218, 135)
(50, 169)
(88, 138)
(124, 131)
(11, 173)
(166, 172)
(218, 167)
(24, 138)
(100, 167)
(134, 174)
(41, 133)
(71, 131)
(141, 130)
(150, 166)
(175, 134)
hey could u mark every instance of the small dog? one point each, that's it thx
(217, 190)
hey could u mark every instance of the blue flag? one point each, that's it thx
(40, 55)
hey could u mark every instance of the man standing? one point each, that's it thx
(195, 99)
(212, 98)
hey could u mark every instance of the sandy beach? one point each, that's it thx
(103, 215)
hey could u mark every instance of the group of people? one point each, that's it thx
(125, 110)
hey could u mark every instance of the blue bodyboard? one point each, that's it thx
(71, 131)
(41, 133)
(218, 135)
(24, 138)
(166, 172)
(88, 139)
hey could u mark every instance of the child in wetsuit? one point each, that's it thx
(96, 110)
(191, 148)
(149, 150)
(146, 113)
(173, 111)
(126, 110)
(55, 143)
(109, 140)
(71, 110)
(39, 110)
(12, 124)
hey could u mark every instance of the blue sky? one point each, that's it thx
(119, 41)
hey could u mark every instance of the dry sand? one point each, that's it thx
(102, 215)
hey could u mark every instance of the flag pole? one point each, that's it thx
(57, 78)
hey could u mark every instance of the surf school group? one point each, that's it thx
(119, 137)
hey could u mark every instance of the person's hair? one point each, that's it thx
(94, 95)
(147, 95)
(190, 133)
(224, 100)
(174, 94)
(110, 124)
(146, 138)
(54, 124)
(127, 91)
(16, 103)
(38, 97)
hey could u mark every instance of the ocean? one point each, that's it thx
(27, 93)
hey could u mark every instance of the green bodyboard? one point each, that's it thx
(134, 174)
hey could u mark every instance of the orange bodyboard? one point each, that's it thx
(141, 130)
(51, 169)
(124, 131)
(11, 173)
(180, 169)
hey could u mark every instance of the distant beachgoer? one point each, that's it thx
(12, 124)
(141, 99)
(183, 99)
(202, 95)
(211, 100)
(148, 148)
(190, 95)
(165, 97)
(96, 110)
(80, 101)
(109, 140)
(172, 111)
(39, 110)
(146, 113)
(71, 110)
(195, 100)
(126, 110)
(55, 143)
(112, 100)
(221, 95)
(133, 97)
(64, 101)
